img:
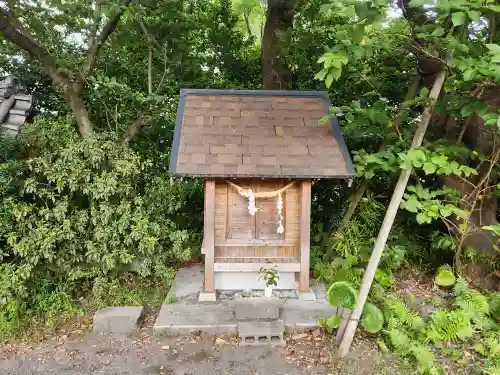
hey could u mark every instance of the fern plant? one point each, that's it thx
(448, 326)
(426, 361)
(495, 306)
(492, 370)
(398, 315)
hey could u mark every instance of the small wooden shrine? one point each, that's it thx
(258, 152)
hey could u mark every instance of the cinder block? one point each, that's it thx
(207, 297)
(123, 319)
(261, 333)
(257, 308)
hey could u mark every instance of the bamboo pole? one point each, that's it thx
(389, 219)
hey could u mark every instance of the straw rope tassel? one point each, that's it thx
(251, 196)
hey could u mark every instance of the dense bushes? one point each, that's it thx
(80, 209)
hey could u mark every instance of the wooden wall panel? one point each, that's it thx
(256, 251)
(221, 191)
(240, 224)
(292, 214)
(266, 221)
(233, 223)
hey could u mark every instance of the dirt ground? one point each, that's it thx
(142, 354)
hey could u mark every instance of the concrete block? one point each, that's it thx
(257, 308)
(185, 319)
(207, 297)
(299, 314)
(123, 319)
(261, 333)
(250, 280)
(308, 296)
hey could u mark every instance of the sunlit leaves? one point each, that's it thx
(430, 205)
(332, 66)
(458, 18)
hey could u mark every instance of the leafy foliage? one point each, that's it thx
(372, 319)
(445, 276)
(84, 209)
(342, 294)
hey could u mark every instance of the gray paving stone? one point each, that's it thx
(188, 282)
(184, 318)
(299, 314)
(261, 333)
(257, 308)
(123, 319)
(320, 291)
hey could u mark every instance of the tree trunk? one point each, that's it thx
(80, 112)
(389, 220)
(275, 43)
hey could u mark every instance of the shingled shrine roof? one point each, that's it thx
(271, 134)
(15, 107)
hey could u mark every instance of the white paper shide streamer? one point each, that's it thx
(252, 210)
(279, 208)
(251, 196)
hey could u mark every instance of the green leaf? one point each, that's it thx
(466, 110)
(384, 277)
(342, 294)
(329, 78)
(372, 319)
(447, 210)
(479, 347)
(423, 218)
(438, 31)
(474, 15)
(343, 57)
(458, 18)
(333, 321)
(321, 75)
(440, 160)
(412, 204)
(469, 74)
(495, 48)
(429, 168)
(445, 278)
(417, 157)
(493, 228)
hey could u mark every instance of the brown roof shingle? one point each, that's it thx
(273, 134)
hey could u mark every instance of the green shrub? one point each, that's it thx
(79, 210)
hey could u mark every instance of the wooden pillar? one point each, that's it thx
(305, 234)
(209, 234)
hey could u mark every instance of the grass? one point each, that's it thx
(54, 308)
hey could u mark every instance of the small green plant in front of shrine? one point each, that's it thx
(270, 276)
(342, 294)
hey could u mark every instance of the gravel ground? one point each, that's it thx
(91, 354)
(140, 355)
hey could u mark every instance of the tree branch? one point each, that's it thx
(136, 126)
(98, 42)
(97, 21)
(10, 29)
